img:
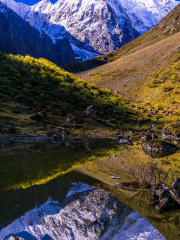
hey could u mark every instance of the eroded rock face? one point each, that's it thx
(159, 148)
(86, 213)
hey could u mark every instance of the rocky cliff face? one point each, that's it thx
(94, 26)
(86, 213)
(18, 37)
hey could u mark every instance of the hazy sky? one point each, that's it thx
(31, 2)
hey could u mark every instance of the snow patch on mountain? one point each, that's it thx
(78, 188)
(86, 213)
(137, 228)
(83, 54)
(43, 6)
(144, 14)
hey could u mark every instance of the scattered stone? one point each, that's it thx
(90, 217)
(147, 138)
(92, 110)
(116, 185)
(69, 120)
(123, 137)
(78, 119)
(168, 135)
(53, 135)
(130, 186)
(124, 141)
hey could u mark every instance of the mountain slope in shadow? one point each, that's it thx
(18, 37)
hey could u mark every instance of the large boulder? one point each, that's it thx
(159, 148)
(92, 110)
(39, 116)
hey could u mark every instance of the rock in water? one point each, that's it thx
(164, 194)
(159, 148)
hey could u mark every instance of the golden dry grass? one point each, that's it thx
(129, 74)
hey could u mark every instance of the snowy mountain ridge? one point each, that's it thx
(86, 213)
(94, 27)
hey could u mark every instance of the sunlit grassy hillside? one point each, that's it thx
(150, 75)
(135, 75)
(40, 83)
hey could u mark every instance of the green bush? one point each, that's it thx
(166, 87)
(159, 106)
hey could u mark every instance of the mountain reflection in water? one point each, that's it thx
(41, 174)
(86, 213)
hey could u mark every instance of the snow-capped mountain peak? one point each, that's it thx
(94, 26)
(43, 6)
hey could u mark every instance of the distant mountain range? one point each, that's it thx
(93, 27)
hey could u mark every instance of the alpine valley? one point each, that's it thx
(90, 120)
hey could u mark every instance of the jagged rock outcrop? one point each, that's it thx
(19, 37)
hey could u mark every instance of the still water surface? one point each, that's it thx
(44, 195)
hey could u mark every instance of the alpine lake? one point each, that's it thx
(83, 189)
